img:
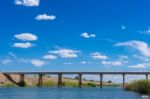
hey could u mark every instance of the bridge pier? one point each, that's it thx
(101, 80)
(80, 80)
(146, 76)
(59, 81)
(22, 80)
(123, 75)
(40, 82)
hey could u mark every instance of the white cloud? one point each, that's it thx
(26, 37)
(87, 35)
(45, 17)
(65, 53)
(50, 57)
(140, 66)
(98, 55)
(138, 45)
(28, 3)
(85, 62)
(146, 31)
(6, 61)
(123, 27)
(115, 63)
(37, 62)
(23, 45)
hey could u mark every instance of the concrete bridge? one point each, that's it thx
(60, 74)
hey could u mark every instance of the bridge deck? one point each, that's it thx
(133, 73)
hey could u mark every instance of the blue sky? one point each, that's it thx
(74, 35)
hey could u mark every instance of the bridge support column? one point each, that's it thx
(146, 76)
(22, 81)
(101, 80)
(59, 81)
(40, 82)
(123, 75)
(80, 80)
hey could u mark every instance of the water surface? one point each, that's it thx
(67, 93)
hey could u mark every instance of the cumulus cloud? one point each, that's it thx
(23, 45)
(65, 53)
(87, 35)
(45, 17)
(28, 3)
(37, 62)
(6, 61)
(98, 55)
(138, 45)
(26, 37)
(51, 57)
(140, 66)
(115, 63)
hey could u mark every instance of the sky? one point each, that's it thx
(74, 35)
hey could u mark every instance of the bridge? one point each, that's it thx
(60, 74)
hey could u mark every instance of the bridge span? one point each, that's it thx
(60, 74)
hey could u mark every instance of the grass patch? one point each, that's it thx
(49, 84)
(8, 85)
(70, 83)
(89, 84)
(140, 86)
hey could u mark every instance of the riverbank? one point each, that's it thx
(51, 81)
(140, 86)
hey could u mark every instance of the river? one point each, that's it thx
(67, 93)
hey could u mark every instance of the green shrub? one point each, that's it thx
(89, 85)
(140, 86)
